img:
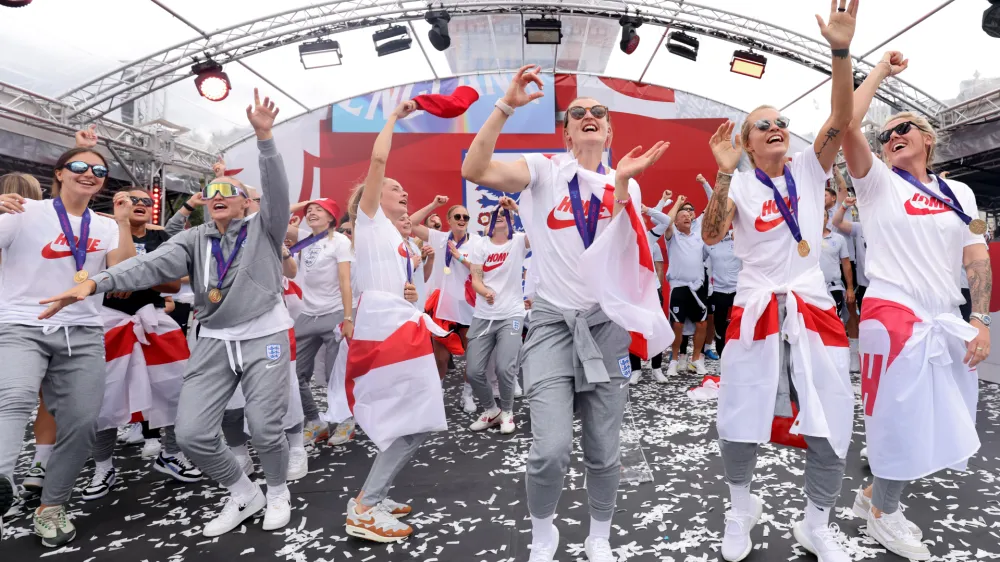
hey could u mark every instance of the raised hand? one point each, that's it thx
(727, 152)
(440, 199)
(667, 194)
(76, 294)
(404, 109)
(262, 115)
(700, 178)
(634, 164)
(219, 168)
(123, 206)
(517, 95)
(681, 200)
(508, 203)
(196, 200)
(839, 32)
(87, 138)
(850, 201)
(895, 61)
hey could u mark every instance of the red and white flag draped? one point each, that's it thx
(145, 355)
(629, 297)
(391, 379)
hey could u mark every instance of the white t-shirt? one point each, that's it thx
(686, 253)
(418, 272)
(725, 265)
(318, 273)
(273, 321)
(654, 249)
(37, 263)
(502, 269)
(455, 302)
(761, 239)
(379, 254)
(860, 246)
(917, 242)
(547, 216)
(834, 249)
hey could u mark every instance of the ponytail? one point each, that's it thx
(352, 206)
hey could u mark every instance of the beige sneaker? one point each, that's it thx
(376, 524)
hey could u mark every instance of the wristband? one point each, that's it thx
(188, 207)
(502, 106)
(721, 173)
(841, 53)
(622, 201)
(845, 205)
(348, 319)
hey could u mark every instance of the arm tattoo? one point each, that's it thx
(830, 135)
(477, 272)
(980, 285)
(717, 210)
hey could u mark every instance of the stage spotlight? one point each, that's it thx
(682, 45)
(320, 54)
(991, 19)
(630, 39)
(212, 83)
(439, 29)
(15, 3)
(748, 64)
(542, 31)
(386, 45)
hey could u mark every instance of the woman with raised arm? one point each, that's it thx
(788, 353)
(49, 246)
(574, 353)
(918, 383)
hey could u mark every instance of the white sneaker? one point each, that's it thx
(672, 370)
(518, 391)
(315, 432)
(377, 524)
(507, 425)
(658, 376)
(891, 531)
(132, 435)
(233, 514)
(298, 464)
(100, 484)
(246, 464)
(682, 363)
(396, 509)
(278, 511)
(635, 378)
(490, 418)
(647, 364)
(33, 481)
(699, 366)
(863, 504)
(598, 550)
(736, 543)
(468, 404)
(343, 433)
(824, 542)
(151, 448)
(546, 553)
(178, 467)
(864, 455)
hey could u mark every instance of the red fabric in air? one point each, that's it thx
(449, 106)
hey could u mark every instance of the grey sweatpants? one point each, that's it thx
(104, 444)
(233, 424)
(504, 336)
(68, 366)
(387, 465)
(261, 366)
(311, 332)
(887, 493)
(550, 382)
(824, 469)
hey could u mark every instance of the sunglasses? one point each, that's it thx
(346, 231)
(224, 189)
(577, 112)
(765, 124)
(884, 136)
(461, 217)
(78, 167)
(144, 200)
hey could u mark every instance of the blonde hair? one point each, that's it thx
(22, 184)
(747, 127)
(926, 129)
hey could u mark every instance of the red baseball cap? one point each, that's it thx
(328, 205)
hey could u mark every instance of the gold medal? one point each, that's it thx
(215, 296)
(977, 226)
(803, 248)
(81, 276)
(447, 270)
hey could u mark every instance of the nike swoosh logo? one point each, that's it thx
(271, 365)
(763, 226)
(912, 209)
(555, 224)
(623, 385)
(491, 266)
(50, 253)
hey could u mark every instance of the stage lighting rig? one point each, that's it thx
(438, 34)
(392, 39)
(630, 39)
(542, 31)
(212, 83)
(748, 64)
(682, 45)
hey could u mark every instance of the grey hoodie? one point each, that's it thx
(252, 286)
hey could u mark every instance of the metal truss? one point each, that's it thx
(975, 110)
(138, 78)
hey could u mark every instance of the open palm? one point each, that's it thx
(517, 94)
(839, 32)
(261, 115)
(727, 154)
(633, 163)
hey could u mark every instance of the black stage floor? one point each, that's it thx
(467, 491)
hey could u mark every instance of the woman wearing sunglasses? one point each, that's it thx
(234, 263)
(574, 353)
(788, 355)
(48, 247)
(920, 413)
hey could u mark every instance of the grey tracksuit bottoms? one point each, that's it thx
(68, 365)
(216, 366)
(311, 332)
(104, 445)
(887, 493)
(485, 336)
(387, 465)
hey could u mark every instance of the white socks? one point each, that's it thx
(42, 454)
(542, 530)
(277, 491)
(816, 517)
(295, 440)
(243, 490)
(240, 451)
(104, 466)
(492, 412)
(600, 529)
(740, 497)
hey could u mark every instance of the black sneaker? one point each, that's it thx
(100, 484)
(34, 481)
(6, 498)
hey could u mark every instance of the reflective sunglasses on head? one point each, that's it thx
(224, 189)
(765, 124)
(579, 112)
(78, 167)
(144, 200)
(900, 130)
(460, 217)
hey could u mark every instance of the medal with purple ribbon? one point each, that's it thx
(448, 256)
(77, 247)
(409, 262)
(976, 226)
(306, 242)
(790, 215)
(222, 265)
(493, 222)
(586, 223)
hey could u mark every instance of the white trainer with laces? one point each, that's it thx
(635, 377)
(672, 370)
(468, 403)
(396, 509)
(343, 433)
(177, 467)
(278, 512)
(699, 366)
(151, 448)
(863, 504)
(507, 425)
(490, 418)
(825, 542)
(132, 435)
(298, 464)
(377, 524)
(546, 552)
(100, 484)
(234, 514)
(518, 391)
(598, 549)
(736, 543)
(658, 375)
(891, 531)
(682, 363)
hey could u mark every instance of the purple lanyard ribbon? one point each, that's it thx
(586, 224)
(493, 222)
(447, 254)
(790, 215)
(78, 247)
(305, 243)
(409, 262)
(953, 204)
(222, 266)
